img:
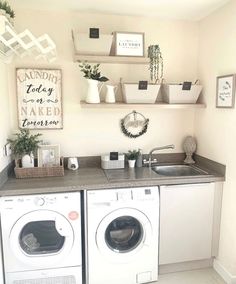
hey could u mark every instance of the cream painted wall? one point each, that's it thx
(215, 128)
(4, 114)
(93, 132)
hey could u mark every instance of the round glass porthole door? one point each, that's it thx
(124, 231)
(124, 234)
(40, 238)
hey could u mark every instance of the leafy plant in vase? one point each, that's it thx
(93, 76)
(24, 147)
(132, 156)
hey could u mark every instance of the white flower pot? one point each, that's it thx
(173, 94)
(27, 161)
(92, 46)
(131, 163)
(93, 92)
(132, 94)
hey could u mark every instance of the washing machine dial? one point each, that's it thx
(39, 201)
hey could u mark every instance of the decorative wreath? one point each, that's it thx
(134, 124)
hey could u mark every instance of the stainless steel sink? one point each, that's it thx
(178, 170)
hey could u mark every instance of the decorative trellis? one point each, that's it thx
(23, 44)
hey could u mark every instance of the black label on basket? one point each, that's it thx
(187, 86)
(94, 33)
(114, 156)
(142, 85)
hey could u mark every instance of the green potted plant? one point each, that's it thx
(132, 156)
(6, 10)
(93, 76)
(24, 147)
(2, 10)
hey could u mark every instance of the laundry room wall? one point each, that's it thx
(96, 131)
(215, 128)
(4, 114)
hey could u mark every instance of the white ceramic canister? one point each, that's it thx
(110, 94)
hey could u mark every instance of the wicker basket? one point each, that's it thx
(55, 171)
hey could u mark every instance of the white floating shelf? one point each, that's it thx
(25, 43)
(160, 105)
(111, 59)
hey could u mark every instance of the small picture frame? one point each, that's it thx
(48, 155)
(225, 91)
(128, 44)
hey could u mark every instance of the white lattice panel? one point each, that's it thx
(24, 43)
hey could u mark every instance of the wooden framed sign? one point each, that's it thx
(39, 98)
(128, 44)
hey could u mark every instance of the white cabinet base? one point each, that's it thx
(186, 222)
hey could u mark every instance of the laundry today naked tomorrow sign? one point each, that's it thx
(39, 98)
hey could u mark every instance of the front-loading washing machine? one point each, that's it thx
(122, 235)
(41, 236)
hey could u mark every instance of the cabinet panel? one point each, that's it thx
(186, 220)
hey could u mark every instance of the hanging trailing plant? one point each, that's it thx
(155, 64)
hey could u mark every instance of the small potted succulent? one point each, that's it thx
(132, 156)
(24, 147)
(93, 76)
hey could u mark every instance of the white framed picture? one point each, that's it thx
(225, 91)
(129, 44)
(48, 155)
(39, 98)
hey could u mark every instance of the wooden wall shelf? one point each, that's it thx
(111, 59)
(160, 105)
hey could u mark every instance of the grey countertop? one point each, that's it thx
(95, 178)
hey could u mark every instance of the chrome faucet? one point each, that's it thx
(150, 161)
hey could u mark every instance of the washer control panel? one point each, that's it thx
(42, 200)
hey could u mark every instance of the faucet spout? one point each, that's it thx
(150, 161)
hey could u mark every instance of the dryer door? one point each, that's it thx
(123, 231)
(41, 237)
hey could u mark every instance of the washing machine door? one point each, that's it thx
(41, 237)
(123, 233)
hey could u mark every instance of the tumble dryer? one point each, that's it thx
(41, 237)
(122, 235)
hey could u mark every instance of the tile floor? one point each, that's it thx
(201, 276)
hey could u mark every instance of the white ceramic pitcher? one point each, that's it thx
(110, 94)
(93, 92)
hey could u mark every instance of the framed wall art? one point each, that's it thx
(225, 91)
(128, 44)
(48, 155)
(39, 98)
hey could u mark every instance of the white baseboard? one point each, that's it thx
(226, 275)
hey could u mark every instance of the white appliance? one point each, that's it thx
(122, 235)
(1, 262)
(41, 237)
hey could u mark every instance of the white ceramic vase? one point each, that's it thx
(28, 161)
(110, 94)
(93, 92)
(131, 163)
